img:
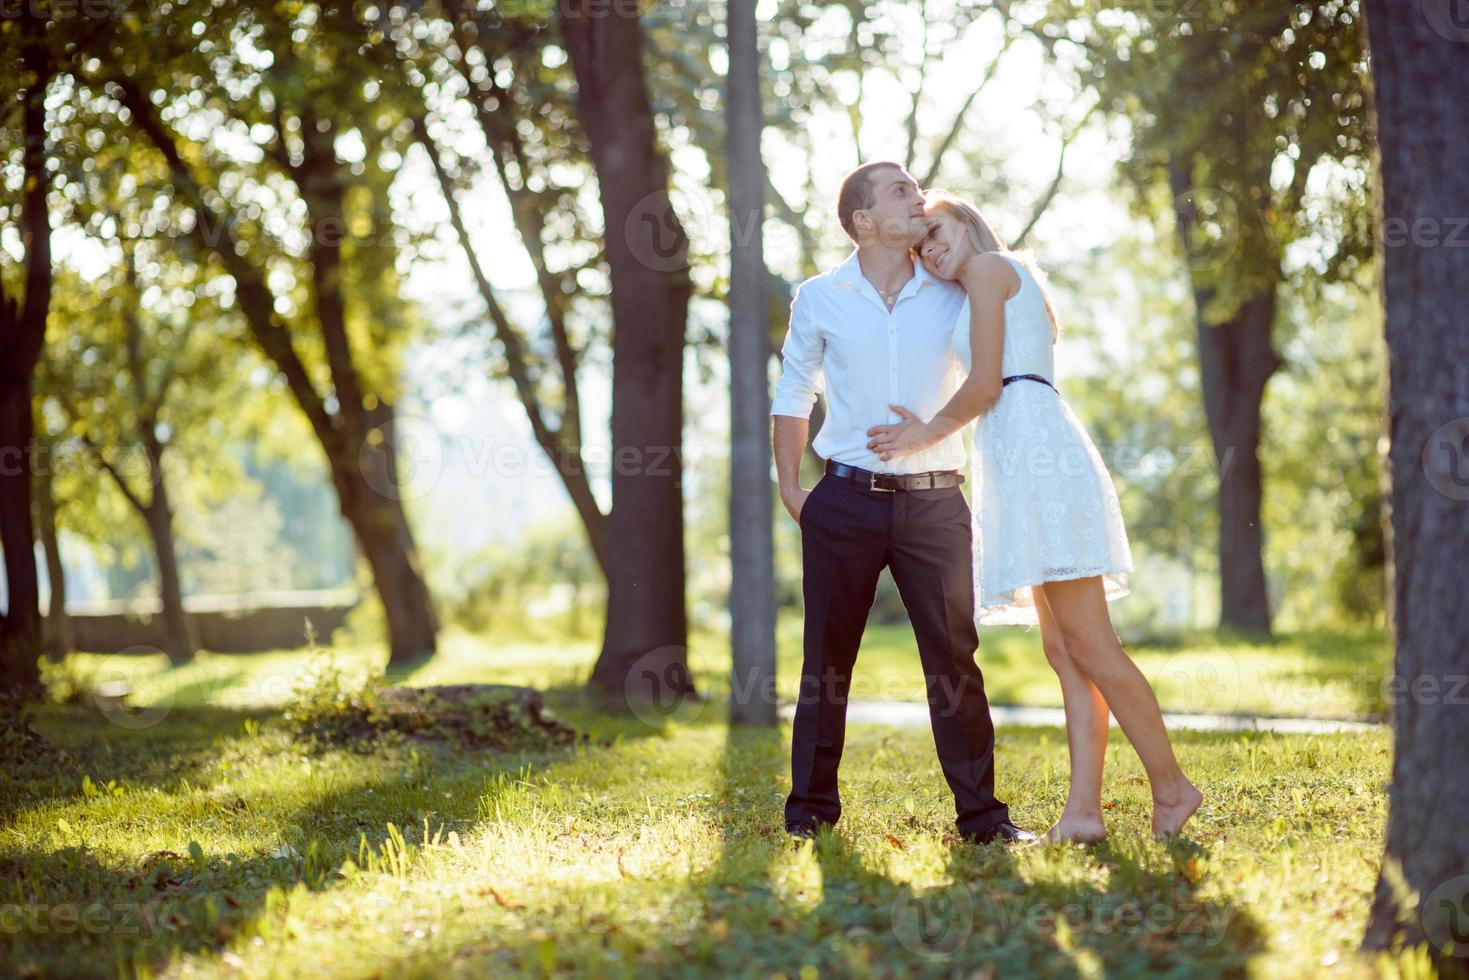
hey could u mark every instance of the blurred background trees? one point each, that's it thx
(391, 313)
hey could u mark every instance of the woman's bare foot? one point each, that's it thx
(1077, 830)
(1169, 815)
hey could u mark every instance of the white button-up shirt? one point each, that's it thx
(842, 340)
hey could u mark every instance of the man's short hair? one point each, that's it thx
(856, 193)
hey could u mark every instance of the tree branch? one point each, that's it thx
(957, 126)
(516, 359)
(211, 230)
(503, 140)
(1050, 194)
(917, 94)
(117, 477)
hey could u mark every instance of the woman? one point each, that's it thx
(1049, 543)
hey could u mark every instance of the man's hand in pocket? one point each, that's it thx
(795, 502)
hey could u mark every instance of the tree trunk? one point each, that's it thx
(57, 632)
(645, 645)
(20, 630)
(362, 465)
(1423, 141)
(367, 485)
(179, 642)
(22, 336)
(751, 500)
(367, 476)
(1236, 360)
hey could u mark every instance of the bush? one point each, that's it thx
(545, 586)
(332, 709)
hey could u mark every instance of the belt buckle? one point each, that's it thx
(872, 484)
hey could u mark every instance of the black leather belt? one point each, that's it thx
(1027, 377)
(891, 482)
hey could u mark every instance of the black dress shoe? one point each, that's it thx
(801, 831)
(1002, 833)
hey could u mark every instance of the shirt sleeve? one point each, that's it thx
(801, 376)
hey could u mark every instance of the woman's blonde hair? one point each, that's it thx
(984, 240)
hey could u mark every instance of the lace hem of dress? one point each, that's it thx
(1013, 607)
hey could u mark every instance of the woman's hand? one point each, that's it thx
(901, 438)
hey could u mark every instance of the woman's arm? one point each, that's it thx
(989, 280)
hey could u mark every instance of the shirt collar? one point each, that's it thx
(851, 271)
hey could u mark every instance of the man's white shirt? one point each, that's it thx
(843, 341)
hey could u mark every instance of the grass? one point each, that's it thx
(204, 839)
(1323, 674)
(1319, 674)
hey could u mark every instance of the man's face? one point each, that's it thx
(896, 215)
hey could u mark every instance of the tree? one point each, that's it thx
(1423, 140)
(57, 633)
(645, 640)
(751, 510)
(521, 96)
(119, 384)
(315, 94)
(1218, 112)
(28, 60)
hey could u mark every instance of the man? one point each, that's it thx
(874, 333)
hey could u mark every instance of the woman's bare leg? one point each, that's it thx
(1079, 607)
(1086, 736)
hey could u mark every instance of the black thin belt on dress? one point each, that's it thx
(1027, 377)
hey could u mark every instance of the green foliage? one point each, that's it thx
(333, 709)
(1324, 459)
(25, 755)
(1253, 112)
(546, 586)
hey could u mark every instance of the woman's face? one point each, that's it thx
(946, 246)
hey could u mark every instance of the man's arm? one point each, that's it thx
(987, 279)
(801, 381)
(790, 445)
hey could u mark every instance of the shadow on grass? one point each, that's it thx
(1002, 914)
(96, 908)
(769, 905)
(123, 747)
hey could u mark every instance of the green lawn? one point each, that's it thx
(1322, 674)
(206, 839)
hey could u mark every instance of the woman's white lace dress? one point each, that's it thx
(1044, 505)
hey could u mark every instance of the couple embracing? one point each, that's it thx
(929, 325)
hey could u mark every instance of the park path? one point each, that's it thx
(914, 714)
